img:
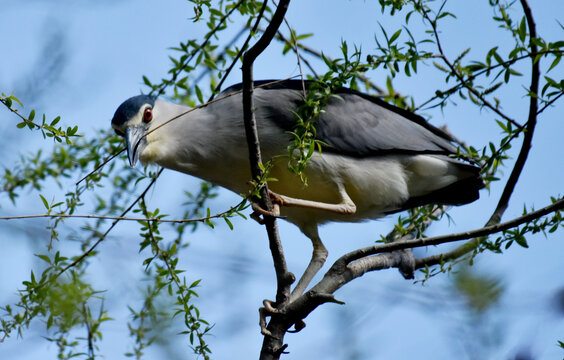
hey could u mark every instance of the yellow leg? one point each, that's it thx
(346, 206)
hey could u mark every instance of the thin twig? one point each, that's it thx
(107, 217)
(281, 37)
(380, 91)
(550, 103)
(220, 58)
(89, 336)
(54, 132)
(89, 251)
(296, 50)
(113, 156)
(195, 51)
(106, 160)
(196, 108)
(235, 59)
(481, 72)
(173, 276)
(15, 111)
(458, 75)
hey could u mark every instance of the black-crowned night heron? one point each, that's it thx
(377, 159)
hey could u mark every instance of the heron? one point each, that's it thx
(376, 159)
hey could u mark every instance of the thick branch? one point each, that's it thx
(254, 146)
(337, 277)
(359, 262)
(485, 231)
(272, 345)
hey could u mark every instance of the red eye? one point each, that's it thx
(148, 115)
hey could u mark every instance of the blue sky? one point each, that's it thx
(107, 48)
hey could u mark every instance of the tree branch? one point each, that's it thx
(549, 103)
(253, 143)
(530, 126)
(378, 257)
(436, 240)
(272, 345)
(521, 159)
(124, 218)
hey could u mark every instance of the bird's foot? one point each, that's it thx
(277, 198)
(259, 213)
(268, 309)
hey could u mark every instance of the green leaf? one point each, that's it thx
(228, 223)
(199, 94)
(45, 202)
(146, 81)
(304, 36)
(555, 62)
(55, 121)
(50, 321)
(395, 36)
(522, 31)
(520, 239)
(44, 258)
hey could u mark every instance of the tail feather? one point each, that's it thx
(461, 192)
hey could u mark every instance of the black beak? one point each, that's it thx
(135, 143)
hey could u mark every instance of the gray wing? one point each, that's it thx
(359, 125)
(353, 123)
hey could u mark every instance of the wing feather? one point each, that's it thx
(353, 123)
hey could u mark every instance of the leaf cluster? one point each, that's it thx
(48, 128)
(340, 72)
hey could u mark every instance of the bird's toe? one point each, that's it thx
(259, 213)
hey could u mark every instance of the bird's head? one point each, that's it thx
(133, 120)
